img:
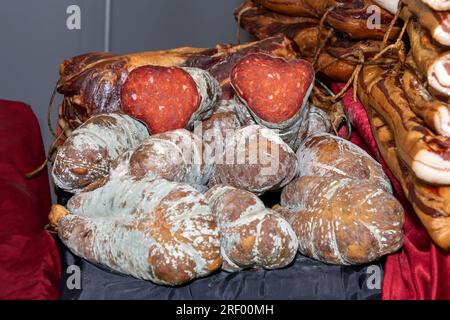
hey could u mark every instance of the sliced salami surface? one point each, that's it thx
(169, 98)
(274, 89)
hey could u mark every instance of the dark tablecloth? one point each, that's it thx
(304, 279)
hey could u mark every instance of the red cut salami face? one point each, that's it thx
(274, 89)
(163, 97)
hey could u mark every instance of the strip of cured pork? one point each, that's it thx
(425, 153)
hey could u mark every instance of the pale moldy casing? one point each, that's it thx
(251, 234)
(87, 154)
(151, 229)
(326, 155)
(342, 220)
(317, 121)
(274, 92)
(169, 98)
(255, 159)
(214, 130)
(176, 155)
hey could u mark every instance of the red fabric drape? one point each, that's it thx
(419, 270)
(29, 260)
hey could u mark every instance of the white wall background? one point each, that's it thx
(34, 38)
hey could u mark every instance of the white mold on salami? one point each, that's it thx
(251, 235)
(255, 159)
(326, 155)
(316, 121)
(214, 130)
(274, 91)
(209, 90)
(177, 155)
(169, 98)
(151, 229)
(87, 154)
(343, 220)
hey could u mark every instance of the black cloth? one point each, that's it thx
(304, 279)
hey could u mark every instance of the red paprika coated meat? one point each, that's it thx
(274, 91)
(169, 98)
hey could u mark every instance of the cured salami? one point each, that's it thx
(255, 159)
(251, 234)
(341, 220)
(92, 83)
(432, 60)
(214, 130)
(274, 91)
(177, 155)
(325, 155)
(169, 98)
(151, 229)
(88, 153)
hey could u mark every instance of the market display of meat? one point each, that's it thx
(169, 152)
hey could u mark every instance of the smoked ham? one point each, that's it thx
(251, 235)
(349, 17)
(304, 31)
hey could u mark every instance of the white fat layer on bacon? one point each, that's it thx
(438, 5)
(438, 77)
(431, 167)
(440, 34)
(389, 5)
(442, 121)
